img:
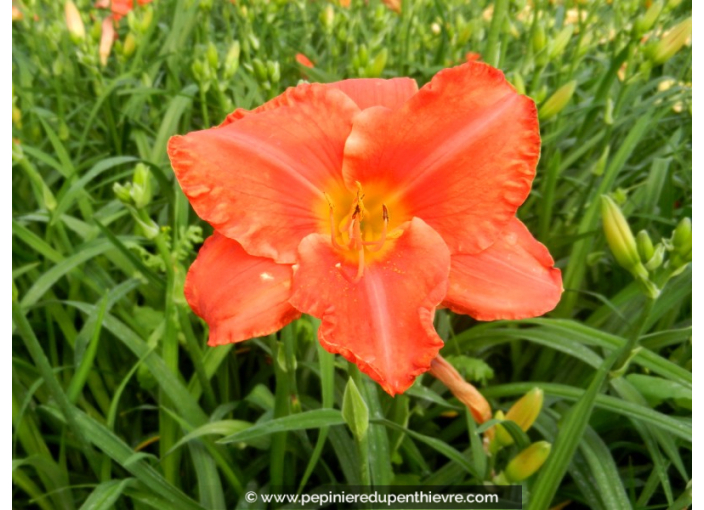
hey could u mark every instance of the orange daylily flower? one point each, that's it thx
(119, 8)
(369, 203)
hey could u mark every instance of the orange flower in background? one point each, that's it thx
(119, 8)
(368, 203)
(303, 60)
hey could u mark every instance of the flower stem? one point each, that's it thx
(493, 47)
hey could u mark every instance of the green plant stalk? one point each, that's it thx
(493, 50)
(42, 363)
(576, 420)
(168, 428)
(363, 442)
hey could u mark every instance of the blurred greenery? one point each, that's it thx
(117, 403)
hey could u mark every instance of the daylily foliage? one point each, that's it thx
(369, 203)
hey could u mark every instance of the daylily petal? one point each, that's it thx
(368, 92)
(261, 180)
(384, 322)
(238, 295)
(512, 279)
(460, 154)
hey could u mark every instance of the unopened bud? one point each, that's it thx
(232, 60)
(672, 42)
(539, 40)
(141, 186)
(129, 46)
(327, 17)
(376, 66)
(147, 18)
(682, 238)
(355, 411)
(646, 22)
(646, 250)
(74, 23)
(657, 259)
(273, 70)
(555, 103)
(259, 70)
(123, 192)
(526, 463)
(107, 37)
(560, 42)
(212, 55)
(620, 238)
(526, 409)
(465, 392)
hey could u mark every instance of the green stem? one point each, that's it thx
(493, 49)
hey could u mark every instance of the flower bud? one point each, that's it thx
(327, 17)
(273, 70)
(465, 392)
(232, 60)
(672, 42)
(74, 23)
(646, 22)
(560, 42)
(555, 103)
(16, 13)
(645, 246)
(123, 192)
(620, 238)
(355, 411)
(526, 409)
(141, 186)
(394, 5)
(147, 18)
(376, 66)
(303, 60)
(129, 46)
(107, 38)
(682, 238)
(259, 70)
(211, 55)
(539, 40)
(526, 463)
(657, 259)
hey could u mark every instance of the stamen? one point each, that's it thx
(377, 245)
(360, 264)
(333, 238)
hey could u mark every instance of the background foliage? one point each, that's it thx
(118, 403)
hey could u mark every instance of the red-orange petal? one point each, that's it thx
(460, 154)
(384, 322)
(512, 279)
(368, 92)
(238, 295)
(259, 180)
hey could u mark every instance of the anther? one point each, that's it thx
(377, 245)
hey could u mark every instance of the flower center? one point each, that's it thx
(360, 233)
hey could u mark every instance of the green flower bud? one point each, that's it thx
(212, 55)
(260, 70)
(141, 186)
(560, 42)
(273, 71)
(523, 413)
(355, 411)
(232, 60)
(555, 103)
(129, 46)
(147, 17)
(682, 238)
(539, 40)
(363, 55)
(657, 259)
(645, 246)
(376, 66)
(123, 192)
(665, 49)
(646, 22)
(526, 463)
(620, 238)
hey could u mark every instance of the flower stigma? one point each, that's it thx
(354, 234)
